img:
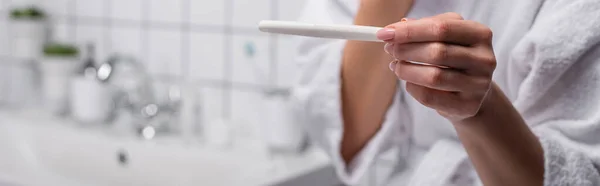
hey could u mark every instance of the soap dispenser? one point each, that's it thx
(91, 100)
(88, 69)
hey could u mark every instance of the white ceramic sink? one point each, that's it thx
(39, 150)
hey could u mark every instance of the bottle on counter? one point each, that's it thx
(28, 26)
(58, 66)
(89, 69)
(281, 130)
(27, 33)
(190, 117)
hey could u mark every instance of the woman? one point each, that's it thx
(457, 105)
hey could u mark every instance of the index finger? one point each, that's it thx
(454, 31)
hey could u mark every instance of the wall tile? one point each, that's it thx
(250, 56)
(4, 30)
(127, 41)
(207, 12)
(96, 35)
(21, 85)
(4, 39)
(56, 7)
(286, 68)
(206, 56)
(91, 8)
(127, 9)
(289, 10)
(164, 55)
(4, 82)
(247, 13)
(166, 10)
(22, 3)
(62, 33)
(4, 6)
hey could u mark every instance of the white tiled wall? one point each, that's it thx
(164, 55)
(127, 10)
(247, 13)
(165, 11)
(250, 59)
(208, 12)
(63, 32)
(4, 48)
(126, 40)
(90, 8)
(214, 43)
(52, 7)
(285, 66)
(87, 34)
(207, 51)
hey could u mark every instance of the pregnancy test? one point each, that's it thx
(332, 31)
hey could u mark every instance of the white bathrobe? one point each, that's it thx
(548, 65)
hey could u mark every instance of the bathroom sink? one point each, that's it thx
(42, 150)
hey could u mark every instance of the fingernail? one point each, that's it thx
(389, 47)
(403, 19)
(393, 65)
(386, 34)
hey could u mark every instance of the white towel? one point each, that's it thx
(560, 96)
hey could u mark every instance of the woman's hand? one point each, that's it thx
(446, 61)
(454, 76)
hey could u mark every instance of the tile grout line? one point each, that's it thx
(6, 70)
(145, 35)
(273, 47)
(185, 40)
(4, 5)
(108, 27)
(228, 60)
(72, 22)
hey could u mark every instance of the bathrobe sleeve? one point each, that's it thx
(559, 96)
(317, 94)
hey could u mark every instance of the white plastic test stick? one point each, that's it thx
(347, 32)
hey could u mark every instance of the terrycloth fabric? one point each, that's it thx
(548, 65)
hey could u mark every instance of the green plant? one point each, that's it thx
(31, 12)
(60, 50)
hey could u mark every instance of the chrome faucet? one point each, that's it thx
(134, 96)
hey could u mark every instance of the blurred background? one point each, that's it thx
(150, 92)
